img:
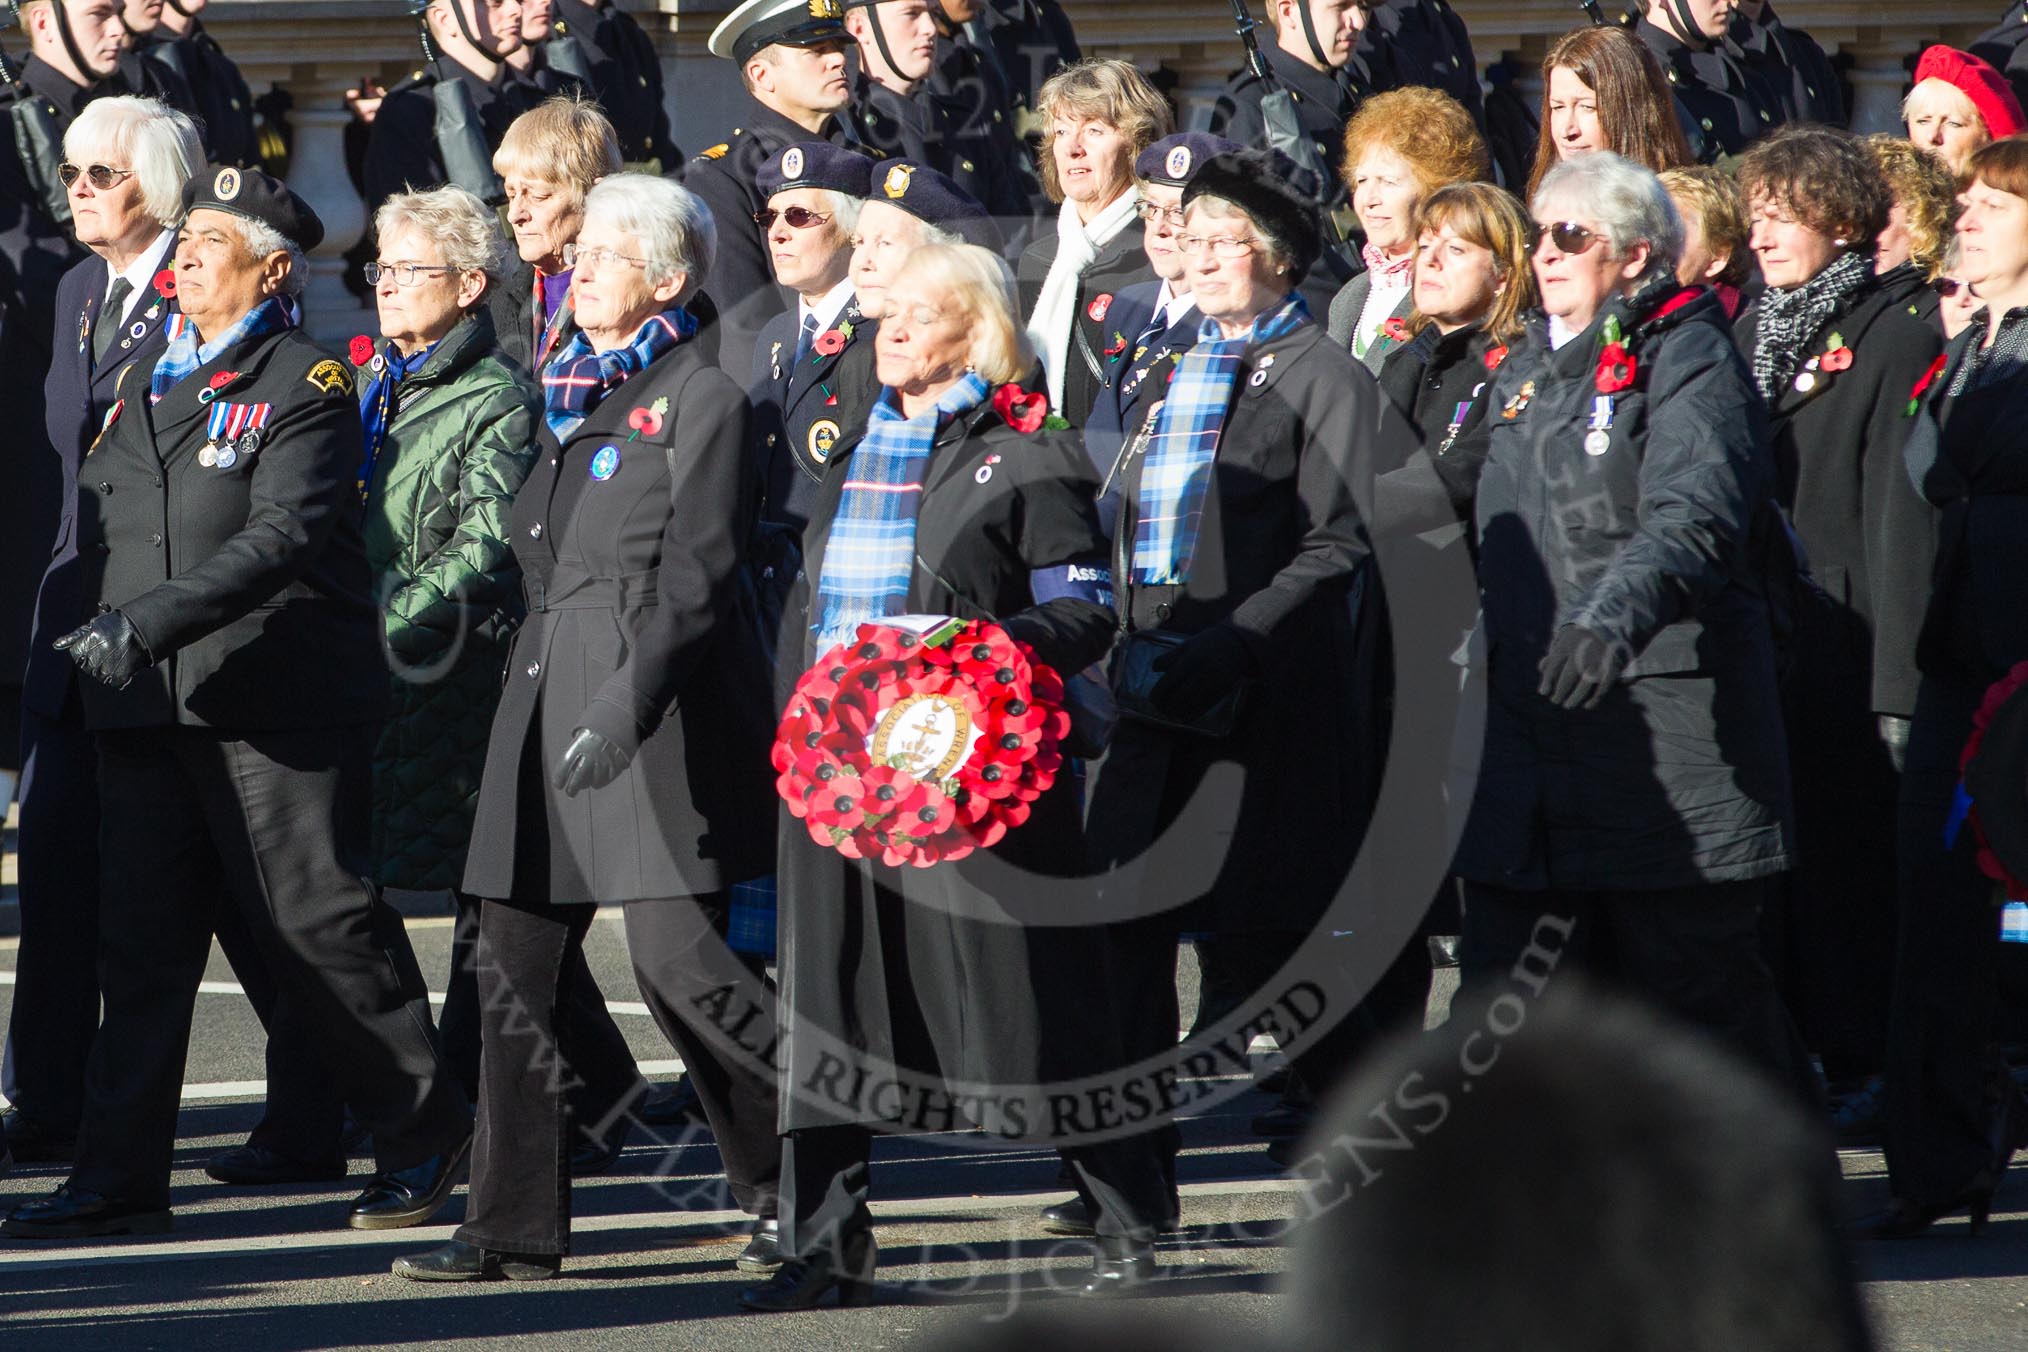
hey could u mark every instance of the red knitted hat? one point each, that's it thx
(1985, 87)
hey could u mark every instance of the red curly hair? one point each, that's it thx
(1428, 128)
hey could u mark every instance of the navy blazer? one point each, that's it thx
(75, 400)
(1135, 379)
(803, 410)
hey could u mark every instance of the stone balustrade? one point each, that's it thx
(315, 49)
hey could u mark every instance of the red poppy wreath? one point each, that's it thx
(916, 746)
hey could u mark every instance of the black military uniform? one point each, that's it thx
(234, 672)
(801, 409)
(1325, 102)
(1723, 105)
(1029, 41)
(2004, 46)
(143, 70)
(625, 77)
(224, 104)
(1423, 42)
(1792, 66)
(403, 150)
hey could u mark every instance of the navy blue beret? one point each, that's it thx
(815, 164)
(933, 198)
(1174, 160)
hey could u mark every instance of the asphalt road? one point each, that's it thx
(653, 1241)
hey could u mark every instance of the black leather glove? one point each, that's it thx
(1894, 736)
(590, 761)
(1579, 668)
(1202, 671)
(108, 649)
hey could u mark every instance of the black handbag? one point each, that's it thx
(1137, 650)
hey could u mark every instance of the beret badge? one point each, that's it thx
(896, 185)
(226, 186)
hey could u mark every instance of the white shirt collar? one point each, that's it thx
(140, 274)
(1170, 307)
(828, 307)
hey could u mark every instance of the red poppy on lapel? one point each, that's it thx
(221, 379)
(1397, 329)
(361, 350)
(1098, 308)
(1616, 369)
(1020, 410)
(828, 343)
(165, 283)
(1494, 356)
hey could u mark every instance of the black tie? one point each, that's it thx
(111, 315)
(808, 336)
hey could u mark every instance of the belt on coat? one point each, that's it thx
(578, 591)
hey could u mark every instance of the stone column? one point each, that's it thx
(317, 175)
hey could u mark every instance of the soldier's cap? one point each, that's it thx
(1273, 190)
(766, 23)
(934, 199)
(815, 164)
(1173, 160)
(257, 197)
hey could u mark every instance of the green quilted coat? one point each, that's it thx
(461, 441)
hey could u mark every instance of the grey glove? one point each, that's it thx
(589, 762)
(108, 649)
(1894, 736)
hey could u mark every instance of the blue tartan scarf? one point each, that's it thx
(184, 355)
(376, 403)
(577, 378)
(869, 558)
(1177, 473)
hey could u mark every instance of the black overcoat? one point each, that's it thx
(1120, 264)
(1838, 461)
(909, 966)
(1680, 776)
(1282, 535)
(248, 583)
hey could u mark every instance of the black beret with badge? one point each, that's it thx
(256, 196)
(1268, 186)
(815, 164)
(934, 199)
(1174, 160)
(758, 24)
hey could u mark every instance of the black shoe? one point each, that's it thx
(1074, 1218)
(763, 1253)
(33, 1142)
(410, 1196)
(802, 1284)
(1904, 1219)
(74, 1213)
(1284, 1121)
(1282, 1154)
(675, 1106)
(252, 1166)
(591, 1157)
(458, 1261)
(1118, 1270)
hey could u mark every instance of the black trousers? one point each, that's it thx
(530, 957)
(1945, 969)
(280, 818)
(827, 1180)
(1693, 951)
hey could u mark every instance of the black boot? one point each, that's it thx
(1121, 1266)
(803, 1283)
(763, 1252)
(458, 1261)
(410, 1196)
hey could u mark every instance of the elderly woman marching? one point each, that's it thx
(1633, 794)
(1834, 354)
(628, 761)
(450, 424)
(1236, 538)
(907, 992)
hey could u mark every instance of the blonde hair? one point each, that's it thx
(566, 141)
(1721, 213)
(1492, 218)
(1107, 91)
(981, 284)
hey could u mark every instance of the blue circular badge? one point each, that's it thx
(606, 463)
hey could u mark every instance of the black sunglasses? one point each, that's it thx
(1947, 286)
(1568, 236)
(98, 175)
(799, 218)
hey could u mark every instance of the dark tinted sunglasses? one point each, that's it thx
(1947, 286)
(98, 175)
(799, 218)
(1568, 236)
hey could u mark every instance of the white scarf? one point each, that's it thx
(1049, 327)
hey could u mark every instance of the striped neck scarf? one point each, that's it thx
(1177, 473)
(184, 354)
(869, 558)
(574, 383)
(376, 403)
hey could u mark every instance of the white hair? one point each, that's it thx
(671, 222)
(464, 227)
(157, 142)
(844, 209)
(1626, 199)
(262, 239)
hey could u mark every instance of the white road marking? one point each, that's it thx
(632, 1008)
(17, 1256)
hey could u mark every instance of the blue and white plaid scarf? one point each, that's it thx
(1177, 473)
(869, 558)
(577, 378)
(376, 403)
(184, 355)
